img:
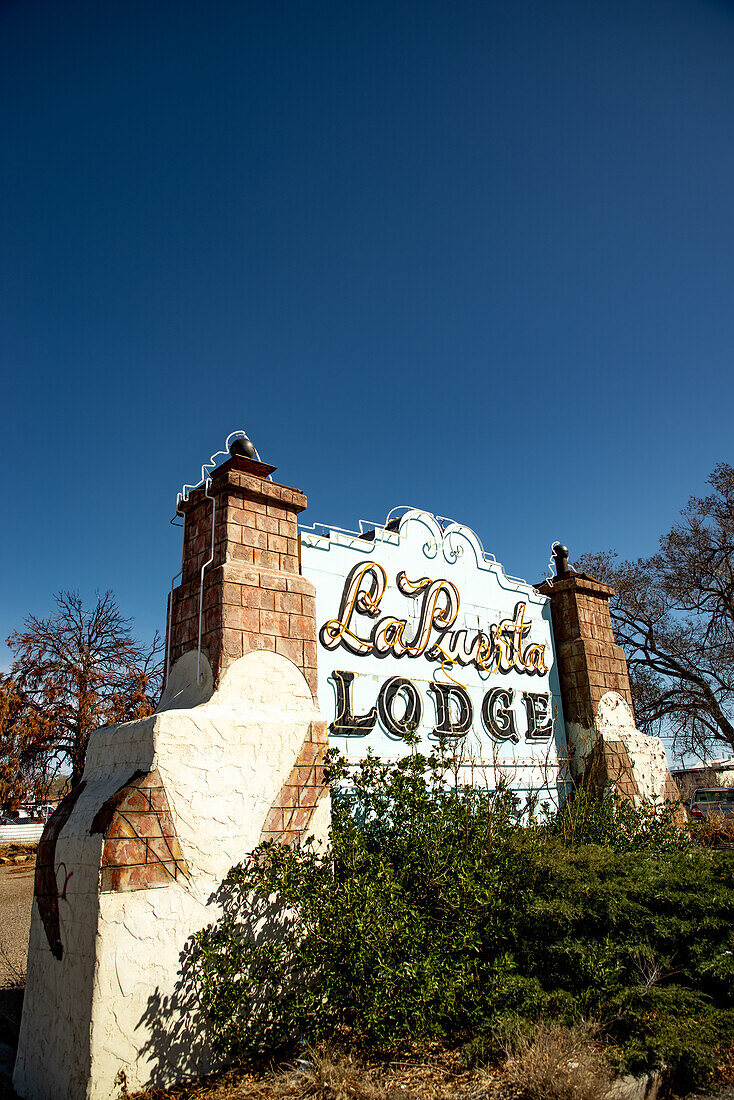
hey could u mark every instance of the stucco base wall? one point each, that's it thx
(613, 750)
(109, 995)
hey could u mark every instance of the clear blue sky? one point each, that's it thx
(475, 257)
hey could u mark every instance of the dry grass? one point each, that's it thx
(331, 1075)
(556, 1063)
(551, 1063)
(714, 832)
(328, 1077)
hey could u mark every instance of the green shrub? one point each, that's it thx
(612, 822)
(437, 914)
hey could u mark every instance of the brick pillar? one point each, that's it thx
(254, 596)
(590, 663)
(601, 748)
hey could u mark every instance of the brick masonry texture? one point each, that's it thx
(254, 596)
(140, 848)
(290, 815)
(610, 763)
(590, 663)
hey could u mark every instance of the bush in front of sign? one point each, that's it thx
(437, 914)
(610, 821)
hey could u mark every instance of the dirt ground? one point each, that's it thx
(16, 897)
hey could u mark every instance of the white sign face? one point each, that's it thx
(419, 632)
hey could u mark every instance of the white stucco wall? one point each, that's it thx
(117, 999)
(615, 723)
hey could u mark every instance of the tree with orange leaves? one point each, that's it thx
(72, 672)
(25, 772)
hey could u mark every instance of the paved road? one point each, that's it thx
(16, 897)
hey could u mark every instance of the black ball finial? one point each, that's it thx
(560, 558)
(242, 446)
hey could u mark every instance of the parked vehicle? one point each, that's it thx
(28, 815)
(41, 812)
(711, 802)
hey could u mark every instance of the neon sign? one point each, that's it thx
(421, 632)
(500, 649)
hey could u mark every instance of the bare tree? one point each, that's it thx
(73, 672)
(674, 616)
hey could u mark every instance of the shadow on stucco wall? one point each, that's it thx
(185, 1037)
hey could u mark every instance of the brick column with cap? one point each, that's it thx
(603, 744)
(253, 595)
(590, 663)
